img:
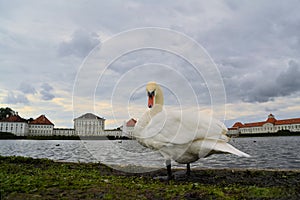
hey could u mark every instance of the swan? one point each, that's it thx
(180, 135)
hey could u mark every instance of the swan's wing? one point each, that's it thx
(181, 127)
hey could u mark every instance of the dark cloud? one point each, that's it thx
(288, 81)
(13, 98)
(27, 88)
(46, 92)
(80, 45)
(285, 84)
(263, 86)
(251, 46)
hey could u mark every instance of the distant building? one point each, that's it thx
(128, 128)
(86, 125)
(41, 126)
(113, 132)
(63, 132)
(14, 124)
(271, 125)
(89, 125)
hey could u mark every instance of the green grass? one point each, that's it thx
(26, 178)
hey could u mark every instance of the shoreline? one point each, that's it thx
(9, 136)
(283, 133)
(28, 178)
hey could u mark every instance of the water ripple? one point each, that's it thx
(268, 152)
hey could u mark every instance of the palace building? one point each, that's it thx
(41, 126)
(92, 125)
(89, 125)
(14, 124)
(86, 125)
(270, 125)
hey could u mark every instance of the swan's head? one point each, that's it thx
(154, 94)
(151, 88)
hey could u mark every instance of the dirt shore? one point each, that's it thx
(27, 178)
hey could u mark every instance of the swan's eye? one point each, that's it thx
(151, 94)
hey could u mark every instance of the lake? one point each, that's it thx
(266, 152)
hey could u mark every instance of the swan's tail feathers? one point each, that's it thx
(227, 148)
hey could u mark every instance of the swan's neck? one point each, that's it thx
(159, 97)
(157, 108)
(158, 102)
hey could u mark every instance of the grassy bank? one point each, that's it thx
(27, 178)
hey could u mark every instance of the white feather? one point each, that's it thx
(183, 135)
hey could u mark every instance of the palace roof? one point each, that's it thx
(131, 122)
(288, 121)
(271, 119)
(89, 116)
(14, 118)
(42, 120)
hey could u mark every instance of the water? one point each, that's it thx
(267, 152)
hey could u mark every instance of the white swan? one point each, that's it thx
(183, 136)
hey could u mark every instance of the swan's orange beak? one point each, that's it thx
(150, 101)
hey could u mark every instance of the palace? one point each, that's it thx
(89, 125)
(14, 124)
(85, 125)
(271, 125)
(41, 126)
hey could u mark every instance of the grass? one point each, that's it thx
(27, 178)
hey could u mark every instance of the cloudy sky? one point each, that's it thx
(45, 50)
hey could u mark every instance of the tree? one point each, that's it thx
(4, 112)
(30, 119)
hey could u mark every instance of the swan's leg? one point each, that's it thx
(169, 173)
(169, 170)
(188, 169)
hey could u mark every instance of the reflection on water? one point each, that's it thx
(267, 152)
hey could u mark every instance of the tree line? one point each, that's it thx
(6, 112)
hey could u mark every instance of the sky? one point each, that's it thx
(53, 55)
